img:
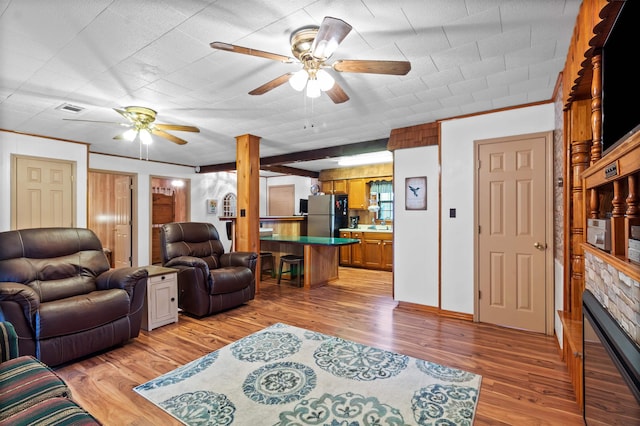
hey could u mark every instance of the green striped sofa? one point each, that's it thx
(31, 393)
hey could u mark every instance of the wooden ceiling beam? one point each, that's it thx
(329, 152)
(314, 154)
(286, 170)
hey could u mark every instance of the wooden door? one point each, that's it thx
(512, 212)
(281, 200)
(43, 193)
(122, 246)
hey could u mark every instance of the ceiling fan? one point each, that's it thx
(312, 46)
(142, 125)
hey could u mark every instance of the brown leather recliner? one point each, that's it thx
(64, 302)
(209, 280)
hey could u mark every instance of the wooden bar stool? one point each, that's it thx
(266, 264)
(295, 263)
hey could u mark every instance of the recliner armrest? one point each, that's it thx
(188, 262)
(23, 295)
(240, 258)
(124, 278)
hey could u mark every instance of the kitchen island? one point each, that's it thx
(321, 255)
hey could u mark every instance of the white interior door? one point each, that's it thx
(512, 218)
(43, 193)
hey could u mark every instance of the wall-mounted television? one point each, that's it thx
(620, 85)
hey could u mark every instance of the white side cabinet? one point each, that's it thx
(161, 302)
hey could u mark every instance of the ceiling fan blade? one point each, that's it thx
(176, 127)
(123, 113)
(278, 81)
(330, 34)
(251, 52)
(373, 67)
(336, 94)
(98, 121)
(168, 136)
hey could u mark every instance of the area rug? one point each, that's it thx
(285, 375)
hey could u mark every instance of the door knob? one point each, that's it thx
(540, 246)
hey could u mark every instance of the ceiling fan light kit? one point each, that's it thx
(142, 125)
(311, 47)
(299, 80)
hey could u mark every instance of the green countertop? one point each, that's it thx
(322, 241)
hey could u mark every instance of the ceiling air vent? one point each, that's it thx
(74, 109)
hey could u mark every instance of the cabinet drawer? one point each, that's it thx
(162, 278)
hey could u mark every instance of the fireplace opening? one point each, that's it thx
(611, 368)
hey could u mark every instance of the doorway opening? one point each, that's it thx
(170, 202)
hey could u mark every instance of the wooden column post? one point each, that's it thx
(579, 162)
(248, 202)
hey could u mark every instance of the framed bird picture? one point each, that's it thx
(415, 193)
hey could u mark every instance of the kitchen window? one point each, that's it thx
(384, 191)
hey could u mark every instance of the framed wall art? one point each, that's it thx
(415, 193)
(212, 206)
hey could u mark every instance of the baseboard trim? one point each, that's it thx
(414, 307)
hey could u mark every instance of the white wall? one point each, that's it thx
(457, 143)
(13, 143)
(415, 232)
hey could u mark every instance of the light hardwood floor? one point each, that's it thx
(524, 382)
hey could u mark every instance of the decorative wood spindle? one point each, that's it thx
(633, 200)
(596, 108)
(633, 210)
(617, 219)
(594, 204)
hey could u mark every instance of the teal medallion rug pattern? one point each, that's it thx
(285, 375)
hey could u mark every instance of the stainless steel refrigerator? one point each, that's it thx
(327, 214)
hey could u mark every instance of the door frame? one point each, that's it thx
(549, 258)
(187, 192)
(134, 209)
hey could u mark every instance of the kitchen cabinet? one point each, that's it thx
(357, 191)
(340, 186)
(351, 255)
(326, 186)
(334, 186)
(378, 250)
(387, 253)
(345, 251)
(374, 251)
(356, 250)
